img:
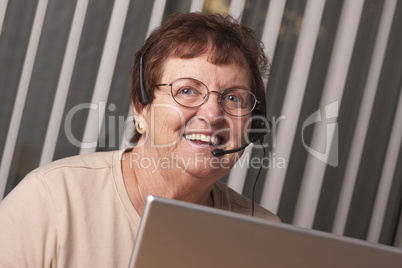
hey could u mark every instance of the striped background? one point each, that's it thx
(68, 63)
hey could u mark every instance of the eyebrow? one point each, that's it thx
(199, 82)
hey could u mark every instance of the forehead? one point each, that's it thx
(200, 68)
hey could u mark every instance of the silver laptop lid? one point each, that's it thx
(179, 234)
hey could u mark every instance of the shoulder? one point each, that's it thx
(67, 180)
(233, 201)
(78, 167)
(40, 209)
(70, 173)
(98, 160)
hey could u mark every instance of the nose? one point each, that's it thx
(211, 110)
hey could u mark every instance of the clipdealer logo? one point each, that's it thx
(330, 154)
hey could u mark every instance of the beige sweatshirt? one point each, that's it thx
(76, 212)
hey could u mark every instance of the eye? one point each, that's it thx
(187, 91)
(232, 98)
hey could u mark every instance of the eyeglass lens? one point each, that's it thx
(193, 93)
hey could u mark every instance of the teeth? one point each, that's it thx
(202, 137)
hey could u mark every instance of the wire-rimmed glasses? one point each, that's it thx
(191, 93)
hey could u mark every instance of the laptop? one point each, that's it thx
(179, 234)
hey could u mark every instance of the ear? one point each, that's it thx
(140, 113)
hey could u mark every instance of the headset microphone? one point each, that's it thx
(258, 131)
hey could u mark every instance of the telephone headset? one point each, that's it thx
(257, 131)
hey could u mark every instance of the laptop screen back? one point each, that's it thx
(179, 234)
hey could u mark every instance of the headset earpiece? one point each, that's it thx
(258, 130)
(143, 94)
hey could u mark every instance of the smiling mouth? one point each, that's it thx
(205, 139)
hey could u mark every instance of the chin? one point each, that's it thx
(204, 164)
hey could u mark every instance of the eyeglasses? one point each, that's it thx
(191, 93)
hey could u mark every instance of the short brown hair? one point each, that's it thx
(188, 35)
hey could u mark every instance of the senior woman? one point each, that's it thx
(196, 86)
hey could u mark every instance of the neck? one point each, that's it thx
(141, 182)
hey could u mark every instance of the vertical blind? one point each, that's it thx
(334, 160)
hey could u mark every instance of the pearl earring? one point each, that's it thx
(140, 126)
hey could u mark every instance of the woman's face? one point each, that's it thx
(182, 139)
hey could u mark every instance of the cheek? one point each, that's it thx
(166, 122)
